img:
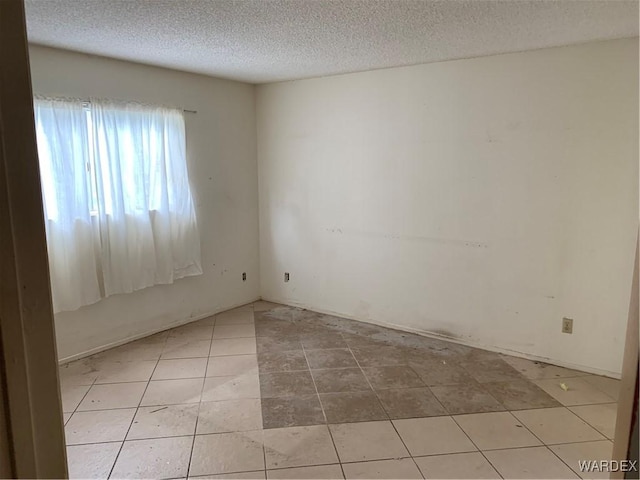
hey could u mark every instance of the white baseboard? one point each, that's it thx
(425, 333)
(138, 336)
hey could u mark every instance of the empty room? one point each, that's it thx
(339, 239)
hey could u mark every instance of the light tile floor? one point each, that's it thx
(273, 392)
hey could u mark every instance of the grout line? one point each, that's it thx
(136, 412)
(264, 448)
(129, 440)
(75, 409)
(195, 427)
(474, 443)
(407, 448)
(547, 445)
(326, 423)
(370, 385)
(315, 387)
(541, 441)
(386, 413)
(568, 466)
(570, 411)
(541, 445)
(347, 423)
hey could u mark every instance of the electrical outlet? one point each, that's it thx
(244, 276)
(567, 325)
(286, 276)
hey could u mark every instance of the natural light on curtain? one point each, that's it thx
(118, 209)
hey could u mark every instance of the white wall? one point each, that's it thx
(480, 199)
(221, 154)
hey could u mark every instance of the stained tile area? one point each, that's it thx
(271, 391)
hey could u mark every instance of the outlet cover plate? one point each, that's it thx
(567, 325)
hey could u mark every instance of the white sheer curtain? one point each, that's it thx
(63, 150)
(118, 174)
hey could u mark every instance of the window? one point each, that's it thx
(118, 208)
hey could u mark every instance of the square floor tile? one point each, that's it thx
(298, 447)
(466, 398)
(579, 392)
(276, 361)
(232, 387)
(325, 472)
(278, 343)
(339, 380)
(230, 416)
(399, 376)
(245, 330)
(602, 417)
(358, 442)
(433, 436)
(119, 372)
(520, 395)
(180, 368)
(493, 370)
(401, 468)
(573, 453)
(360, 339)
(456, 465)
(72, 396)
(410, 403)
(532, 462)
(331, 358)
(557, 425)
(610, 386)
(98, 426)
(113, 395)
(267, 326)
(164, 421)
(155, 458)
(233, 346)
(534, 370)
(171, 392)
(440, 372)
(232, 365)
(493, 431)
(286, 384)
(352, 407)
(317, 328)
(323, 340)
(280, 412)
(379, 356)
(227, 453)
(93, 460)
(186, 348)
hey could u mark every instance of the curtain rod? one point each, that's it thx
(183, 109)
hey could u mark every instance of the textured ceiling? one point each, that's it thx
(261, 41)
